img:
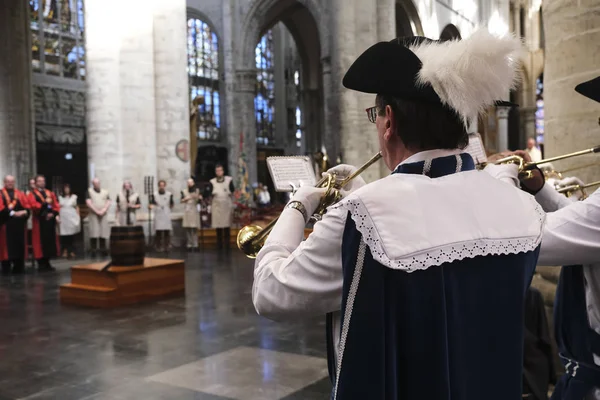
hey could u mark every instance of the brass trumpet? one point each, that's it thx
(569, 190)
(525, 168)
(251, 238)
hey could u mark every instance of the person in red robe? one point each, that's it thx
(13, 234)
(44, 238)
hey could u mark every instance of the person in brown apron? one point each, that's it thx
(98, 201)
(221, 189)
(162, 203)
(128, 202)
(191, 219)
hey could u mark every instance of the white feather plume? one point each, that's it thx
(470, 75)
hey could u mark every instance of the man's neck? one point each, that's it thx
(428, 154)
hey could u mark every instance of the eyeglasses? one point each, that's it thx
(372, 113)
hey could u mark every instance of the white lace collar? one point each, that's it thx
(429, 155)
(413, 222)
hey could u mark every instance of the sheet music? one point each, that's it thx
(296, 170)
(476, 149)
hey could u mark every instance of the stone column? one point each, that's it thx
(502, 135)
(386, 20)
(120, 86)
(572, 56)
(349, 120)
(244, 102)
(331, 138)
(16, 133)
(171, 90)
(528, 118)
(103, 114)
(230, 127)
(312, 131)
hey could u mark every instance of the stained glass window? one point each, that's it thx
(299, 130)
(57, 37)
(203, 73)
(539, 112)
(264, 101)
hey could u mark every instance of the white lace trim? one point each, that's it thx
(432, 257)
(360, 261)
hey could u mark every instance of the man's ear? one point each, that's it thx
(390, 123)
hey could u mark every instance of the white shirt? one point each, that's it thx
(534, 153)
(572, 237)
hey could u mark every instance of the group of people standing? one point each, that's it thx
(54, 221)
(128, 202)
(16, 207)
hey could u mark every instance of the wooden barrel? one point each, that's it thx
(127, 245)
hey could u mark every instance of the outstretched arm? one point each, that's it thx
(572, 234)
(300, 278)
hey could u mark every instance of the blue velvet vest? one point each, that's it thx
(576, 341)
(450, 332)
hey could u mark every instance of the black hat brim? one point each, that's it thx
(389, 68)
(590, 89)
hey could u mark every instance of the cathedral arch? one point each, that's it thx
(407, 19)
(450, 32)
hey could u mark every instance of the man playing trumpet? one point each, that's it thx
(571, 238)
(403, 266)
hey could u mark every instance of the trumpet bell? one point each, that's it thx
(245, 240)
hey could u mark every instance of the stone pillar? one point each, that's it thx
(528, 118)
(171, 86)
(230, 126)
(502, 136)
(312, 137)
(120, 87)
(16, 133)
(244, 102)
(572, 56)
(386, 31)
(386, 20)
(349, 120)
(103, 114)
(138, 121)
(331, 138)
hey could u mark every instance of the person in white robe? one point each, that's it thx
(534, 153)
(70, 221)
(98, 202)
(571, 239)
(162, 204)
(128, 202)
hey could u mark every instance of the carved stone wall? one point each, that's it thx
(58, 107)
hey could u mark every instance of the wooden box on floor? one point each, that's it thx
(119, 286)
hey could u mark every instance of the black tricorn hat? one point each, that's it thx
(465, 75)
(590, 89)
(390, 68)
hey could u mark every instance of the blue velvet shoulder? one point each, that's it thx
(447, 332)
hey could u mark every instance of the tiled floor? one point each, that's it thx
(209, 344)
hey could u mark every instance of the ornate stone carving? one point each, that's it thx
(59, 134)
(59, 106)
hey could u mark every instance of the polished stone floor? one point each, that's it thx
(209, 344)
